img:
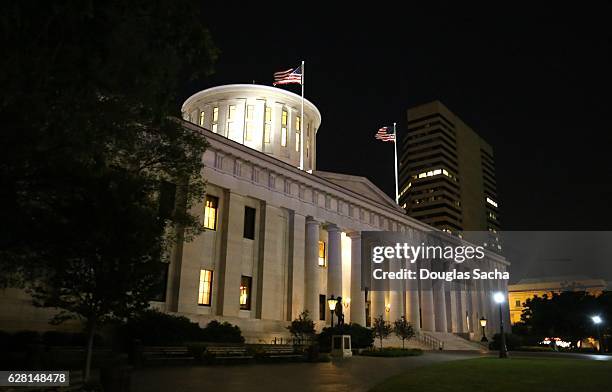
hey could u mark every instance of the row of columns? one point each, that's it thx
(442, 306)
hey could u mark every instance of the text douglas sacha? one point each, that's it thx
(423, 274)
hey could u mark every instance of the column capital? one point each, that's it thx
(332, 227)
(311, 221)
(354, 234)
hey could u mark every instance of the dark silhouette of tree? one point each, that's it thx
(303, 327)
(98, 177)
(566, 315)
(403, 330)
(382, 329)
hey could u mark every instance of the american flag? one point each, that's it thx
(384, 135)
(292, 75)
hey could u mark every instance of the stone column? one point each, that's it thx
(334, 262)
(357, 307)
(428, 314)
(311, 251)
(439, 299)
(455, 308)
(412, 304)
(297, 277)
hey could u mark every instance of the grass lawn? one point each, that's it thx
(393, 352)
(515, 374)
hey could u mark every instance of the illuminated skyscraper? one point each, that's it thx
(447, 172)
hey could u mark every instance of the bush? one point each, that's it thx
(154, 328)
(513, 342)
(222, 333)
(393, 352)
(361, 337)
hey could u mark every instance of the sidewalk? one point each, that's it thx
(354, 374)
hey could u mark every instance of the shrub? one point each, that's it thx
(361, 337)
(513, 342)
(222, 333)
(155, 328)
(58, 338)
(303, 327)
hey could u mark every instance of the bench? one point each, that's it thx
(166, 353)
(280, 351)
(227, 352)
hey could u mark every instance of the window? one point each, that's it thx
(322, 306)
(322, 262)
(205, 290)
(249, 223)
(231, 114)
(267, 124)
(307, 140)
(297, 141)
(210, 212)
(202, 118)
(298, 123)
(215, 119)
(248, 133)
(245, 293)
(284, 117)
(518, 303)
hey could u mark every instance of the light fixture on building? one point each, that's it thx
(387, 308)
(500, 298)
(346, 302)
(483, 324)
(331, 303)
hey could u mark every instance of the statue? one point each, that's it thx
(339, 313)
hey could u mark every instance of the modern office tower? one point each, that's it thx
(447, 172)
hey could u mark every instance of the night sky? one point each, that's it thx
(535, 83)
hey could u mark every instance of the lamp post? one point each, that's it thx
(483, 324)
(597, 321)
(331, 302)
(500, 298)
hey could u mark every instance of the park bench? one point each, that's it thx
(280, 351)
(166, 353)
(227, 352)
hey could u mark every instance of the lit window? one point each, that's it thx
(268, 114)
(231, 112)
(248, 132)
(297, 141)
(202, 119)
(322, 253)
(215, 119)
(205, 290)
(284, 118)
(267, 133)
(492, 202)
(210, 212)
(298, 123)
(245, 293)
(284, 136)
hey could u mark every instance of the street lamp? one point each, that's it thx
(331, 302)
(597, 320)
(483, 324)
(500, 298)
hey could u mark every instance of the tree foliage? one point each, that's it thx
(403, 329)
(566, 315)
(303, 327)
(90, 152)
(382, 329)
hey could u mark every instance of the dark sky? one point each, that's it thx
(534, 82)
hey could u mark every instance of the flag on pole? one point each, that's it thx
(288, 76)
(384, 135)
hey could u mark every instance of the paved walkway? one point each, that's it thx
(356, 374)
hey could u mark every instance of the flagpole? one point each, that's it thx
(302, 124)
(395, 145)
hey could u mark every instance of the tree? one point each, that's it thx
(403, 329)
(382, 329)
(92, 152)
(303, 327)
(564, 315)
